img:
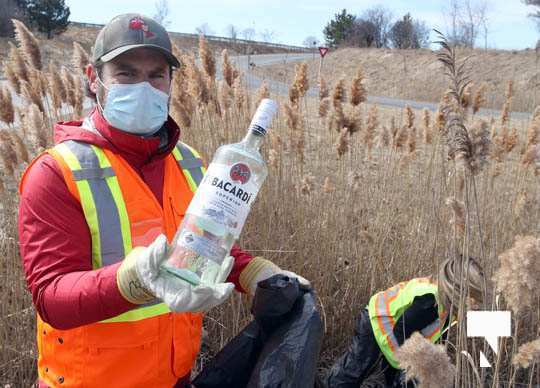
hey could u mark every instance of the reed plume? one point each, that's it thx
(342, 145)
(531, 156)
(426, 120)
(11, 77)
(80, 58)
(31, 96)
(19, 147)
(409, 117)
(306, 186)
(323, 89)
(225, 96)
(227, 68)
(358, 91)
(338, 95)
(324, 106)
(459, 144)
(328, 187)
(240, 94)
(7, 111)
(78, 94)
(411, 140)
(8, 157)
(292, 117)
(28, 43)
(467, 97)
(301, 82)
(18, 65)
(505, 113)
(197, 86)
(479, 98)
(518, 275)
(207, 58)
(384, 137)
(262, 93)
(371, 126)
(401, 137)
(426, 362)
(528, 354)
(481, 143)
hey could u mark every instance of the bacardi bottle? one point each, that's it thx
(216, 215)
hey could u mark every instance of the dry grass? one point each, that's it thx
(353, 219)
(403, 74)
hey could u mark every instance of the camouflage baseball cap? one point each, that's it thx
(129, 31)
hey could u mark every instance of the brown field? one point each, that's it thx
(358, 197)
(409, 74)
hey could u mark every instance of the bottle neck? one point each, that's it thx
(253, 140)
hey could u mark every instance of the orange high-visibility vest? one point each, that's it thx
(386, 307)
(148, 346)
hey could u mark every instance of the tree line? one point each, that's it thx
(376, 28)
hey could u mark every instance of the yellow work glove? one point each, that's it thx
(128, 281)
(260, 269)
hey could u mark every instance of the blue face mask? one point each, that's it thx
(138, 108)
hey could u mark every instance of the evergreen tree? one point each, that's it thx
(11, 9)
(338, 30)
(48, 16)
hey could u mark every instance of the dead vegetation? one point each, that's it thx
(357, 199)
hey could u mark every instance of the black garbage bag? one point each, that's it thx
(279, 348)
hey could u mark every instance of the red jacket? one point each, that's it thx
(55, 240)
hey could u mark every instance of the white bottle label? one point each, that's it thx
(225, 196)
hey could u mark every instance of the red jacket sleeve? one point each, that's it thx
(241, 260)
(55, 248)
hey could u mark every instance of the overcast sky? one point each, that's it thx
(292, 21)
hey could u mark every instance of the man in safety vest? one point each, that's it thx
(96, 214)
(394, 315)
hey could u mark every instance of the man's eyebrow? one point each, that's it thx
(125, 66)
(159, 69)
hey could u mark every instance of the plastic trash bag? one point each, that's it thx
(279, 348)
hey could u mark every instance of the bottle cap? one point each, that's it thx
(263, 116)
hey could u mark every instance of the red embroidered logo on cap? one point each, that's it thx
(138, 24)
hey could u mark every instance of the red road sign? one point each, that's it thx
(323, 51)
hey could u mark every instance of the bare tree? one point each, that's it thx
(162, 13)
(363, 33)
(268, 36)
(311, 42)
(204, 29)
(249, 33)
(466, 17)
(381, 18)
(231, 31)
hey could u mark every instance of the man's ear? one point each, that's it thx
(91, 74)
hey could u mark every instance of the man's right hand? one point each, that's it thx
(140, 280)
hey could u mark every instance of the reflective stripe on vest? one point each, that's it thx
(386, 307)
(101, 200)
(191, 164)
(105, 210)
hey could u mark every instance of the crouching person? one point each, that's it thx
(392, 316)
